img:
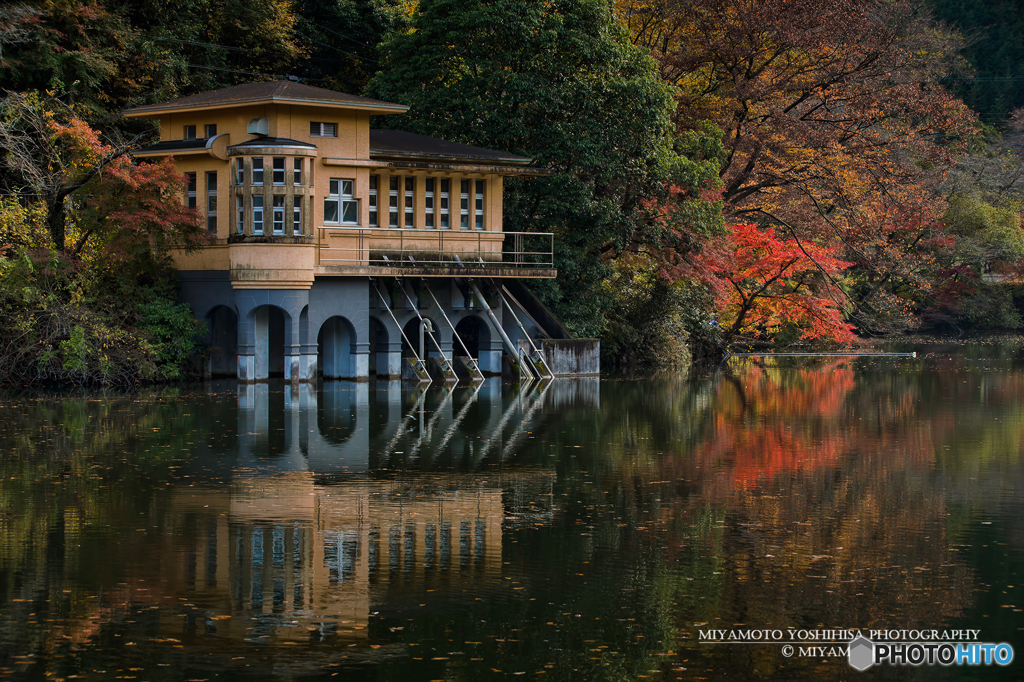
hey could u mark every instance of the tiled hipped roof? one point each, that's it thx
(282, 91)
(402, 145)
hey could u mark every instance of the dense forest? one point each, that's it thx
(728, 172)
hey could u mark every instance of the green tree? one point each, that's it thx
(561, 83)
(343, 38)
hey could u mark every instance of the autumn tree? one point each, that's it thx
(55, 159)
(831, 114)
(85, 291)
(764, 286)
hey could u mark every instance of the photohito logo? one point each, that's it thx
(862, 653)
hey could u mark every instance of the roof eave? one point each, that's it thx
(170, 152)
(154, 111)
(447, 158)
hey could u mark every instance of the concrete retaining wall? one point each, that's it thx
(569, 357)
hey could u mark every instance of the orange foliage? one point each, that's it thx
(830, 111)
(763, 284)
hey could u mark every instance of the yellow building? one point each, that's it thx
(332, 245)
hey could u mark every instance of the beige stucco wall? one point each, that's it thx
(279, 265)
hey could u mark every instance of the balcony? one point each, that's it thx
(434, 253)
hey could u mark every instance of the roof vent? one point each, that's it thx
(259, 126)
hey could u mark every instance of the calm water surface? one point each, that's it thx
(580, 530)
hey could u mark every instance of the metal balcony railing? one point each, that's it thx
(398, 248)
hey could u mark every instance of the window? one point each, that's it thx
(428, 201)
(410, 189)
(278, 214)
(340, 206)
(478, 198)
(318, 129)
(373, 200)
(464, 205)
(393, 201)
(278, 174)
(297, 216)
(257, 171)
(190, 133)
(240, 215)
(297, 173)
(209, 130)
(191, 189)
(211, 201)
(257, 214)
(445, 187)
(239, 172)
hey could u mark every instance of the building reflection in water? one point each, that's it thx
(345, 499)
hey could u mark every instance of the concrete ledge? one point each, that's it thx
(432, 271)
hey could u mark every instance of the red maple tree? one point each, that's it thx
(763, 284)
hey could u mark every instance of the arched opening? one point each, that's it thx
(221, 342)
(412, 333)
(474, 334)
(378, 347)
(268, 328)
(335, 348)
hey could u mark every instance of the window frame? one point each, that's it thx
(277, 170)
(297, 171)
(211, 201)
(209, 130)
(188, 132)
(464, 188)
(445, 208)
(341, 193)
(277, 214)
(429, 186)
(191, 190)
(409, 202)
(394, 182)
(257, 210)
(322, 128)
(256, 174)
(240, 215)
(479, 188)
(372, 198)
(297, 216)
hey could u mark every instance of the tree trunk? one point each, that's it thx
(55, 221)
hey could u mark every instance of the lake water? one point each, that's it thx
(579, 530)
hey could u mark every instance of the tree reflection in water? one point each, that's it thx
(582, 529)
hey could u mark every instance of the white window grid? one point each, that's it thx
(372, 199)
(211, 201)
(278, 213)
(278, 172)
(464, 204)
(257, 171)
(410, 199)
(393, 200)
(445, 207)
(340, 206)
(478, 201)
(428, 202)
(257, 214)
